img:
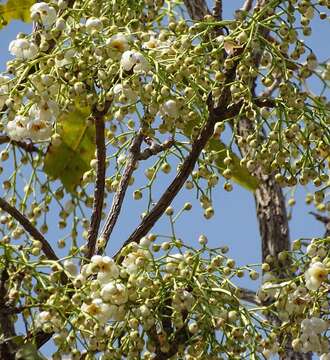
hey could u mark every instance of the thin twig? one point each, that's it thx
(249, 296)
(155, 149)
(264, 102)
(118, 199)
(99, 184)
(29, 147)
(32, 230)
(323, 219)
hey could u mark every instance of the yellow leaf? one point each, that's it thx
(15, 10)
(70, 160)
(240, 173)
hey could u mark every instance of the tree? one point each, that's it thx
(104, 91)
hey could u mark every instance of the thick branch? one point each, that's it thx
(217, 9)
(247, 6)
(197, 9)
(134, 152)
(99, 184)
(33, 231)
(7, 347)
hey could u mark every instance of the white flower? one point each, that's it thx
(42, 318)
(16, 128)
(23, 49)
(125, 91)
(311, 250)
(5, 87)
(130, 264)
(44, 12)
(44, 111)
(116, 45)
(310, 334)
(134, 60)
(318, 325)
(99, 310)
(38, 130)
(315, 275)
(170, 108)
(152, 43)
(115, 293)
(93, 24)
(70, 267)
(107, 269)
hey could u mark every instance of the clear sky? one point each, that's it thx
(234, 223)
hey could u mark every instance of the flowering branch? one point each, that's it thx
(33, 231)
(215, 115)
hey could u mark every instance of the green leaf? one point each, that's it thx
(15, 10)
(240, 173)
(69, 160)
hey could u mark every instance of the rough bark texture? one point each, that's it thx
(197, 9)
(7, 330)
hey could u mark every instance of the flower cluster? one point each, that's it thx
(37, 126)
(310, 335)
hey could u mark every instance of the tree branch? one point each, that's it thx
(197, 9)
(134, 152)
(29, 147)
(219, 114)
(323, 219)
(217, 10)
(249, 296)
(155, 149)
(247, 6)
(100, 182)
(7, 347)
(33, 231)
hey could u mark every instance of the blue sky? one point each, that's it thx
(234, 223)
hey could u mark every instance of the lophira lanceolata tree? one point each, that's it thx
(99, 102)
